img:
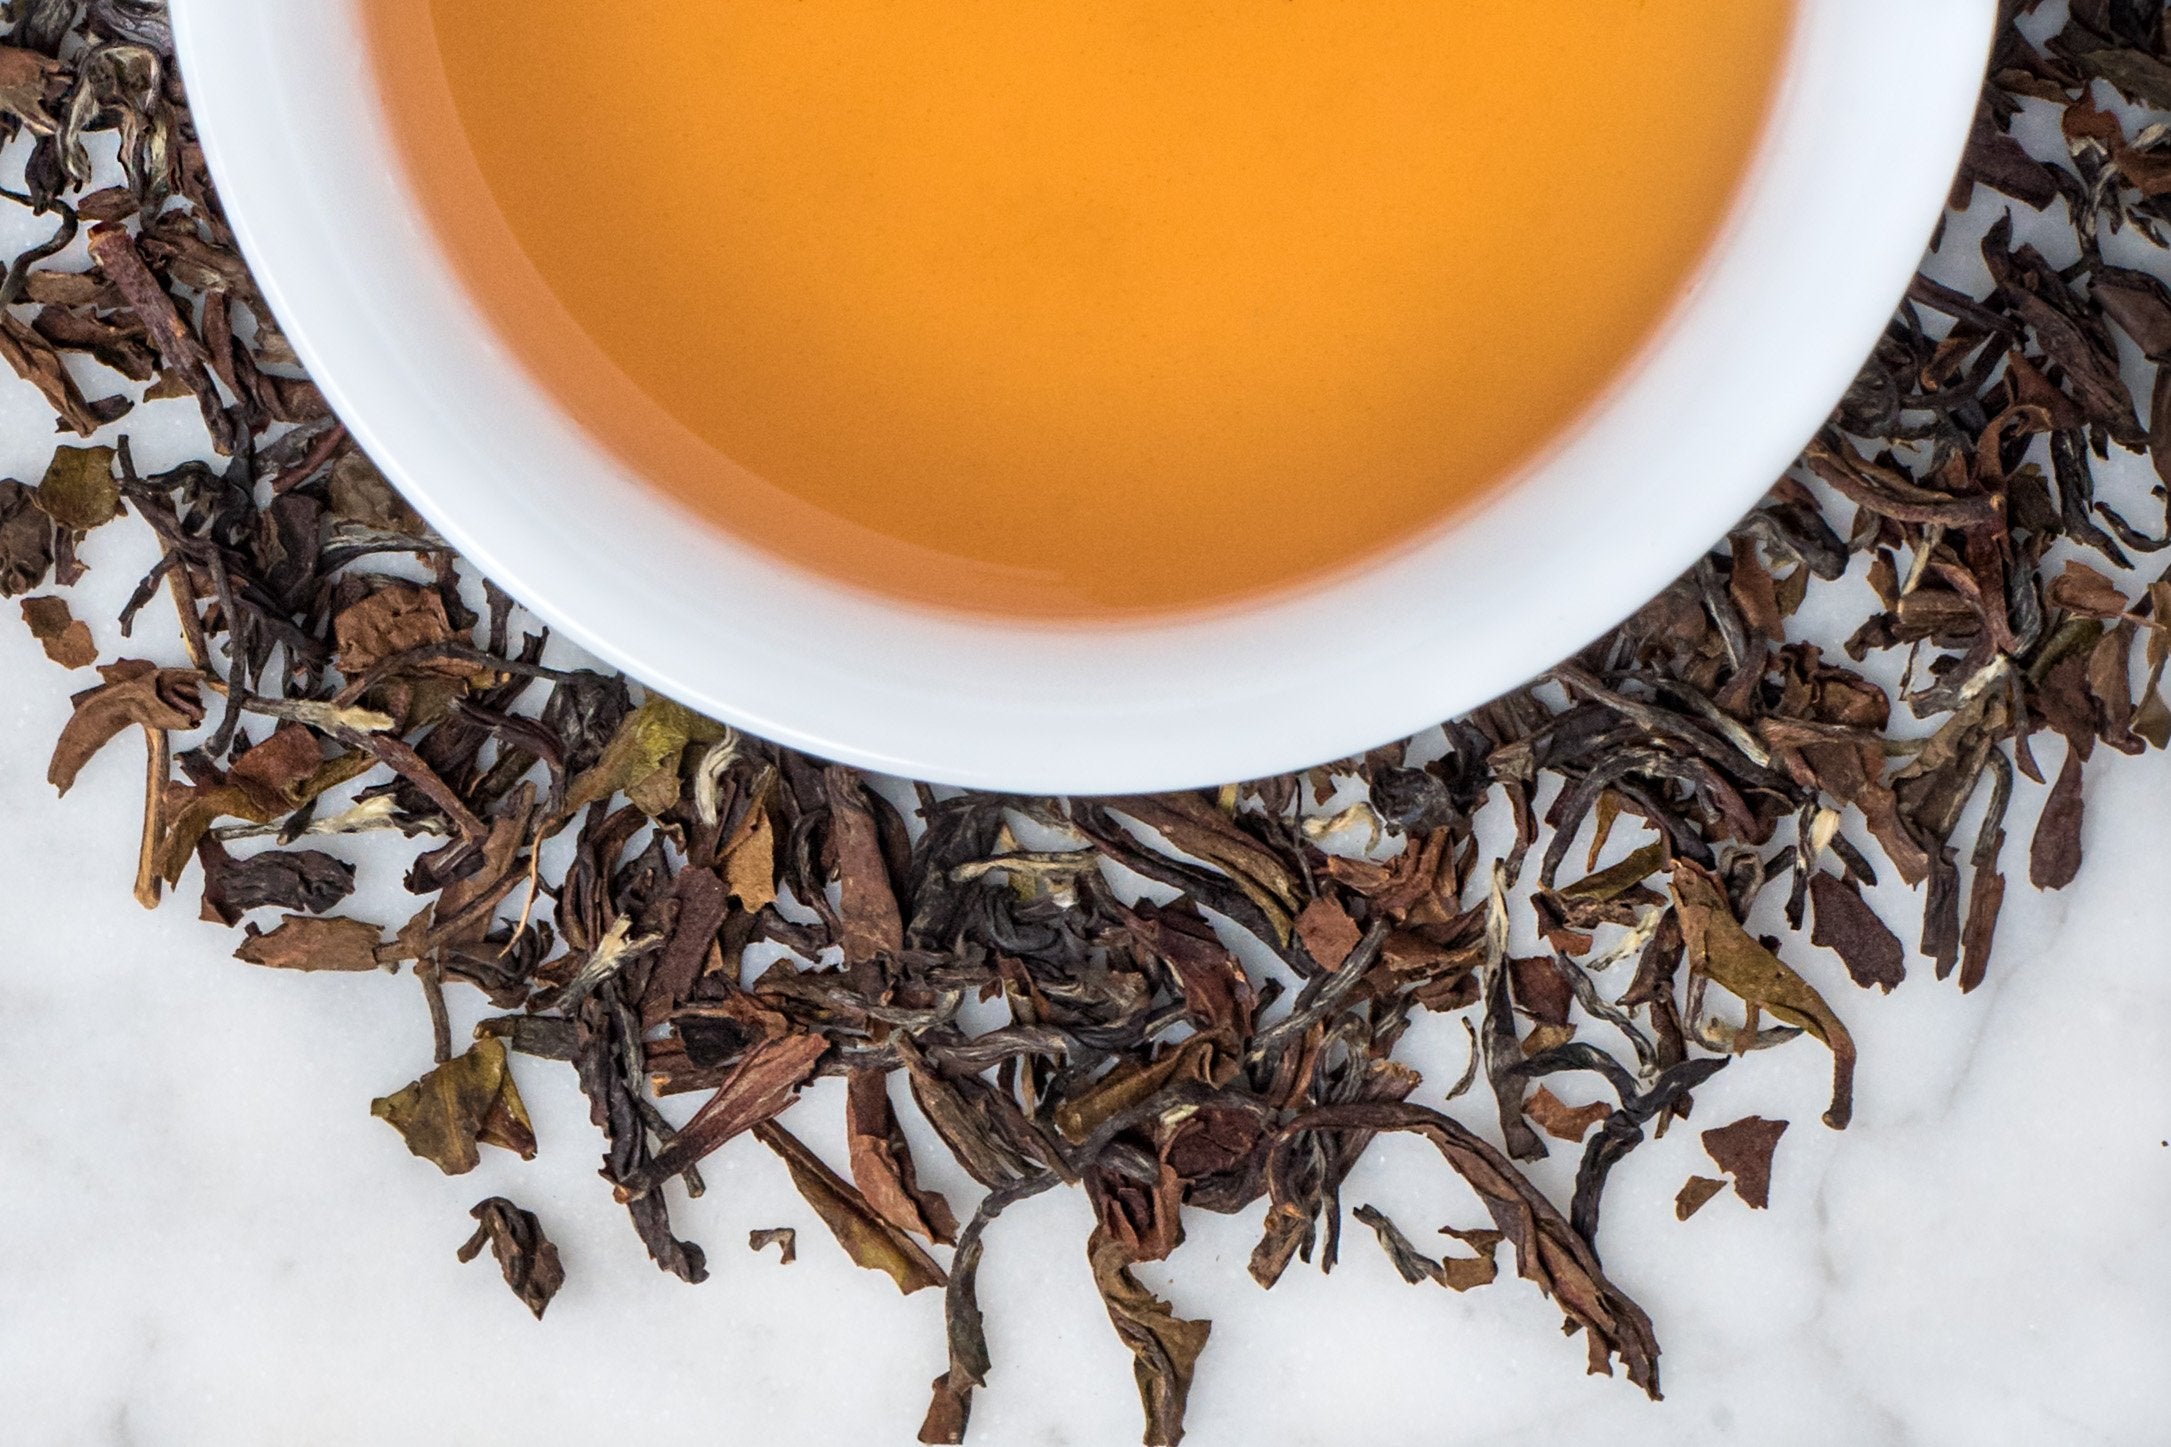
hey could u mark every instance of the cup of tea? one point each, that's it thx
(1058, 398)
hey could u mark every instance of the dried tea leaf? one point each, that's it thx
(1549, 1252)
(1845, 923)
(306, 881)
(2054, 858)
(1564, 1122)
(868, 906)
(524, 1254)
(466, 1103)
(1694, 1195)
(1722, 950)
(26, 540)
(1411, 1264)
(868, 1239)
(134, 693)
(24, 77)
(641, 760)
(393, 620)
(783, 1238)
(760, 1087)
(35, 361)
(1328, 933)
(1165, 1348)
(1743, 1150)
(302, 943)
(79, 490)
(357, 492)
(882, 1165)
(65, 638)
(749, 859)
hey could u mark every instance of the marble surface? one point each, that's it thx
(206, 1239)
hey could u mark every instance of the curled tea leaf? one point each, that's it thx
(1164, 1346)
(783, 1238)
(134, 693)
(868, 1239)
(524, 1254)
(1722, 950)
(468, 1102)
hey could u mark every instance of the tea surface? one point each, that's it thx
(1078, 309)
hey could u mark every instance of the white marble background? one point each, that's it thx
(205, 1238)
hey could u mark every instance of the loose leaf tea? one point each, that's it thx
(1743, 1150)
(524, 1254)
(1189, 1002)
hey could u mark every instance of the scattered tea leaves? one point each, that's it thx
(783, 1238)
(670, 907)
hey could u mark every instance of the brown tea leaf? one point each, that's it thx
(114, 252)
(66, 640)
(868, 1239)
(1845, 923)
(134, 693)
(357, 492)
(524, 1254)
(26, 540)
(882, 1164)
(1410, 1264)
(1328, 933)
(749, 859)
(1564, 1122)
(79, 490)
(1694, 1195)
(302, 943)
(1164, 1346)
(24, 76)
(393, 620)
(35, 361)
(764, 1082)
(783, 1238)
(872, 925)
(1743, 1150)
(307, 881)
(1549, 1252)
(1721, 949)
(469, 1101)
(2054, 857)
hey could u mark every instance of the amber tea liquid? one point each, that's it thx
(1075, 309)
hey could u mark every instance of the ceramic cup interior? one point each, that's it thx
(1873, 112)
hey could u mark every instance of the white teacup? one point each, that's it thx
(1872, 116)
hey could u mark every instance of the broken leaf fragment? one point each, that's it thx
(1743, 1150)
(65, 638)
(1695, 1193)
(468, 1102)
(783, 1238)
(79, 491)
